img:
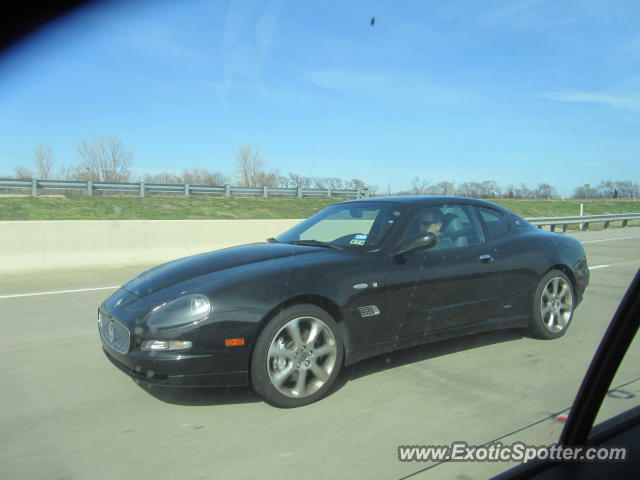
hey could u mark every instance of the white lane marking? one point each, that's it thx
(609, 239)
(595, 267)
(35, 294)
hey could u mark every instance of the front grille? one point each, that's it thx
(113, 333)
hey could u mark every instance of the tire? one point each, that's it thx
(288, 370)
(553, 306)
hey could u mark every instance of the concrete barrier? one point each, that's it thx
(32, 245)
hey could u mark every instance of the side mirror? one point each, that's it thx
(427, 240)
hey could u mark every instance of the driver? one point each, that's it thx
(430, 221)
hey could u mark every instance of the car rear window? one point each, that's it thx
(494, 223)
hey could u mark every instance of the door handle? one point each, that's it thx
(486, 258)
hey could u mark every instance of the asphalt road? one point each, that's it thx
(67, 413)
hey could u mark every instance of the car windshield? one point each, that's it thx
(356, 226)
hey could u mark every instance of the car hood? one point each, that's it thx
(187, 268)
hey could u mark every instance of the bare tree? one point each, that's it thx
(335, 183)
(248, 164)
(544, 190)
(523, 191)
(104, 160)
(509, 191)
(164, 177)
(579, 192)
(201, 176)
(469, 189)
(300, 181)
(444, 188)
(585, 191)
(625, 188)
(283, 181)
(606, 188)
(23, 173)
(44, 162)
(355, 184)
(320, 182)
(419, 186)
(217, 178)
(65, 173)
(267, 179)
(489, 189)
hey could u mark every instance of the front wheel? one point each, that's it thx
(297, 357)
(553, 306)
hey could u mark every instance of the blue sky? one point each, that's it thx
(514, 91)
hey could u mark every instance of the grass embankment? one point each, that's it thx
(156, 208)
(556, 208)
(203, 208)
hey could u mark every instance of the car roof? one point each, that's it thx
(426, 200)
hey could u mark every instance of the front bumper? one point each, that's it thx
(209, 363)
(175, 370)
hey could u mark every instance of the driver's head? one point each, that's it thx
(430, 221)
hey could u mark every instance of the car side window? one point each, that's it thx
(520, 222)
(494, 223)
(453, 225)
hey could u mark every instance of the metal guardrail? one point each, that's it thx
(227, 191)
(142, 188)
(583, 221)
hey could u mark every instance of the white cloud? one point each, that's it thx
(592, 164)
(525, 14)
(514, 10)
(625, 100)
(343, 81)
(416, 88)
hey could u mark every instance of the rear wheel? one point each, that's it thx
(553, 306)
(297, 357)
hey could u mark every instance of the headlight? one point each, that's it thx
(181, 311)
(166, 345)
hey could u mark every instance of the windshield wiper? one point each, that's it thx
(315, 243)
(272, 240)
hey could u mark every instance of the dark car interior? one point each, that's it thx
(454, 231)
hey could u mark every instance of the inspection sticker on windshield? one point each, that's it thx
(360, 236)
(355, 241)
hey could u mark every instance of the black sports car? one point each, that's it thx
(357, 279)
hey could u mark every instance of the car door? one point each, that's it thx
(515, 262)
(449, 286)
(366, 309)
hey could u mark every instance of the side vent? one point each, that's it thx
(368, 311)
